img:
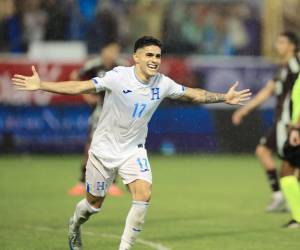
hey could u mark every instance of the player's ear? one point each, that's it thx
(135, 57)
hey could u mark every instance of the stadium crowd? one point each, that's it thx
(199, 27)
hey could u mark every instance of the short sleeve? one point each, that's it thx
(175, 90)
(105, 81)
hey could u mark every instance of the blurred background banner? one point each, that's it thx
(48, 71)
(211, 73)
(207, 44)
(46, 122)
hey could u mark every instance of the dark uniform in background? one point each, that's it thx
(284, 79)
(92, 68)
(291, 156)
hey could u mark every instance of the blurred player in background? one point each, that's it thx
(291, 156)
(118, 145)
(281, 85)
(108, 59)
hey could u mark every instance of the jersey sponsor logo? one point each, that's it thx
(155, 94)
(127, 91)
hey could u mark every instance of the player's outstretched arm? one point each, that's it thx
(260, 98)
(232, 97)
(31, 83)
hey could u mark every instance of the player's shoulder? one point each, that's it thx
(121, 69)
(294, 65)
(122, 72)
(122, 62)
(160, 77)
(93, 63)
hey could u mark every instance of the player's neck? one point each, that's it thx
(108, 64)
(141, 76)
(285, 59)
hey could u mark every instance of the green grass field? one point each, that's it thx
(199, 202)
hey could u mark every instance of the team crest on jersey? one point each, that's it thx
(155, 94)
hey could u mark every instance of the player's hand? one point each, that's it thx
(237, 117)
(27, 82)
(294, 138)
(234, 97)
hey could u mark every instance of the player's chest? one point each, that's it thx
(139, 101)
(133, 93)
(285, 83)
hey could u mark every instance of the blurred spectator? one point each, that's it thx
(291, 17)
(186, 27)
(81, 15)
(34, 19)
(193, 25)
(206, 28)
(102, 30)
(57, 20)
(10, 27)
(145, 18)
(216, 38)
(173, 39)
(247, 40)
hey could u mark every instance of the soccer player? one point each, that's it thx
(118, 144)
(281, 85)
(108, 59)
(288, 181)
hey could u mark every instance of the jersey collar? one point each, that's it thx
(145, 84)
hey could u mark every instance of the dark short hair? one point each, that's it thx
(107, 44)
(292, 37)
(146, 41)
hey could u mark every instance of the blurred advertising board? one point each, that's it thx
(214, 74)
(47, 71)
(45, 122)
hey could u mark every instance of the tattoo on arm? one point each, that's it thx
(202, 96)
(210, 97)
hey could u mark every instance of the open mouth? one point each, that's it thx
(152, 66)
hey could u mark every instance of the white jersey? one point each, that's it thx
(127, 108)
